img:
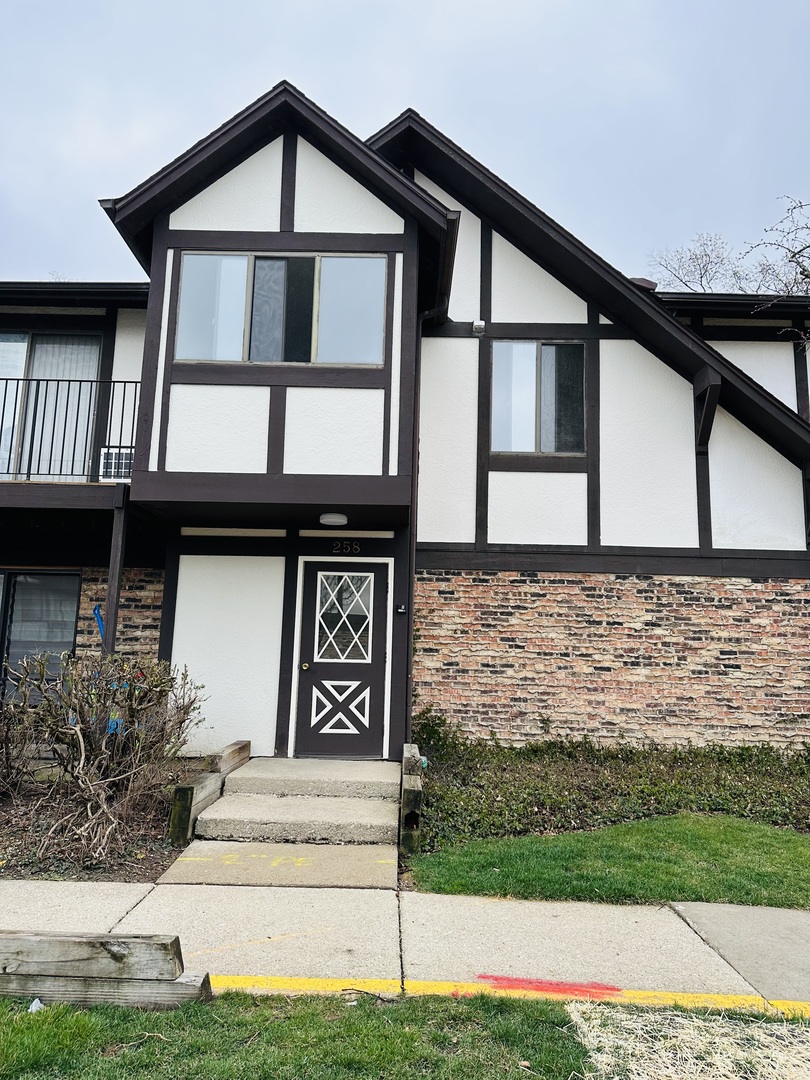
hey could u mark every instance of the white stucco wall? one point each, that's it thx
(465, 293)
(538, 508)
(448, 433)
(647, 439)
(247, 198)
(154, 446)
(523, 292)
(329, 200)
(756, 494)
(769, 362)
(227, 631)
(130, 332)
(218, 429)
(334, 430)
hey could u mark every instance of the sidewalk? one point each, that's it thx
(323, 939)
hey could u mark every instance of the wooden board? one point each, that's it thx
(411, 760)
(143, 993)
(234, 755)
(102, 956)
(410, 814)
(189, 802)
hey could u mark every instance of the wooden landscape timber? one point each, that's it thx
(140, 970)
(410, 809)
(190, 800)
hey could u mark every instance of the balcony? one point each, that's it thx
(67, 430)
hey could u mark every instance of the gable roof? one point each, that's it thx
(410, 141)
(282, 108)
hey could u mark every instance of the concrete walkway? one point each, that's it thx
(320, 939)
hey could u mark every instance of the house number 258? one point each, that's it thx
(346, 547)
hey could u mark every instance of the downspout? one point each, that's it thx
(422, 318)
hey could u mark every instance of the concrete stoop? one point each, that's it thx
(307, 803)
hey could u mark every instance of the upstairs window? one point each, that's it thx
(269, 309)
(538, 398)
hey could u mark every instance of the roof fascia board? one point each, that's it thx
(75, 293)
(282, 108)
(544, 240)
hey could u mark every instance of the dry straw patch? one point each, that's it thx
(635, 1044)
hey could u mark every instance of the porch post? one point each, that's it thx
(119, 535)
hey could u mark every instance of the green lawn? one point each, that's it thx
(713, 858)
(293, 1039)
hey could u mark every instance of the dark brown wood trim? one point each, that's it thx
(720, 564)
(593, 442)
(116, 568)
(13, 323)
(292, 489)
(531, 331)
(260, 242)
(211, 373)
(288, 630)
(32, 494)
(169, 610)
(103, 391)
(503, 462)
(401, 584)
(288, 163)
(484, 393)
(278, 417)
(389, 331)
(800, 367)
(151, 351)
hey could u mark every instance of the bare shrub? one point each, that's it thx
(115, 728)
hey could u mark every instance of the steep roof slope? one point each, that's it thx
(410, 141)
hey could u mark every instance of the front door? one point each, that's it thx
(342, 660)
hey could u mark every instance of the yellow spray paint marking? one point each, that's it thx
(280, 984)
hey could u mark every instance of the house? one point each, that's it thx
(378, 429)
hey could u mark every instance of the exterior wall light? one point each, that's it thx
(333, 519)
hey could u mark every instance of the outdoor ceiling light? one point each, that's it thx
(333, 519)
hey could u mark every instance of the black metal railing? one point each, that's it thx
(67, 429)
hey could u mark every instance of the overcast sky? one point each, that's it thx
(634, 123)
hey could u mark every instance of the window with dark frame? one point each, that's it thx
(538, 398)
(39, 614)
(267, 309)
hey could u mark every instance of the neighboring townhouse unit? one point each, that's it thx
(377, 430)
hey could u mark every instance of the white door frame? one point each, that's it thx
(389, 611)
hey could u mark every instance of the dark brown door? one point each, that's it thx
(341, 677)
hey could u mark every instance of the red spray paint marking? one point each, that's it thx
(594, 991)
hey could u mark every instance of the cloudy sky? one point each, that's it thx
(634, 123)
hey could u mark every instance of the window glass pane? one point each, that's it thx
(351, 314)
(13, 348)
(570, 411)
(43, 615)
(548, 399)
(298, 312)
(56, 439)
(267, 323)
(514, 396)
(344, 617)
(211, 316)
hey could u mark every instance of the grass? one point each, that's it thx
(712, 858)
(293, 1039)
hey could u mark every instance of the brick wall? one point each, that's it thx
(138, 614)
(673, 659)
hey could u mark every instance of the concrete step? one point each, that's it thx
(317, 776)
(300, 819)
(312, 866)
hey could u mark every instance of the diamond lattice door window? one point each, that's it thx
(341, 670)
